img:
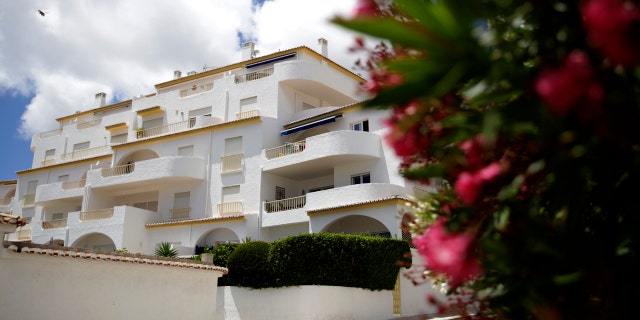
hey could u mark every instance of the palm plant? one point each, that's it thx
(166, 249)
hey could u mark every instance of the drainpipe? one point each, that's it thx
(226, 106)
(208, 176)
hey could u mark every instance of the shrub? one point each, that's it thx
(249, 265)
(166, 249)
(221, 255)
(336, 259)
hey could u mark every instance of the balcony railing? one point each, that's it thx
(85, 153)
(232, 162)
(50, 133)
(226, 208)
(259, 74)
(165, 129)
(285, 204)
(287, 149)
(23, 234)
(88, 124)
(179, 213)
(69, 185)
(118, 171)
(196, 89)
(28, 200)
(247, 114)
(48, 162)
(100, 214)
(5, 201)
(54, 224)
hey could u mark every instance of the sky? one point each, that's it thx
(53, 65)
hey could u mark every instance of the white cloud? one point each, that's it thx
(124, 47)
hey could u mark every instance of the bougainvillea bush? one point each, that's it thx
(528, 111)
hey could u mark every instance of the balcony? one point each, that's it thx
(256, 75)
(88, 124)
(179, 213)
(247, 114)
(54, 224)
(199, 122)
(85, 153)
(352, 194)
(285, 211)
(230, 208)
(231, 163)
(92, 215)
(60, 191)
(50, 133)
(319, 155)
(285, 204)
(147, 174)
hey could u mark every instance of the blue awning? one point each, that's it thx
(272, 60)
(310, 125)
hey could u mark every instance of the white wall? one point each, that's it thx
(42, 286)
(305, 302)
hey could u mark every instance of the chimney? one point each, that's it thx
(177, 74)
(322, 43)
(247, 50)
(190, 73)
(101, 98)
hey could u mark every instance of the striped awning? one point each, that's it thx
(310, 125)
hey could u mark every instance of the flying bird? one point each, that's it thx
(42, 13)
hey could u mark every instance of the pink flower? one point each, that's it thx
(570, 86)
(473, 150)
(448, 253)
(469, 185)
(612, 27)
(366, 8)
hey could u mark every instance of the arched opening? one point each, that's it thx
(95, 241)
(358, 225)
(215, 237)
(139, 155)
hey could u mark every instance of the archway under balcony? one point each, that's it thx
(139, 155)
(358, 224)
(95, 241)
(215, 237)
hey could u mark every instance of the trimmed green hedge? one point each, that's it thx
(221, 255)
(318, 259)
(249, 265)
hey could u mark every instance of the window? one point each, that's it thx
(152, 123)
(280, 193)
(32, 186)
(233, 146)
(230, 194)
(181, 200)
(50, 154)
(81, 146)
(119, 138)
(361, 178)
(185, 151)
(244, 103)
(360, 126)
(195, 114)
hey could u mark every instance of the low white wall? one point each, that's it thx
(304, 302)
(48, 286)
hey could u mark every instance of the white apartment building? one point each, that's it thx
(268, 147)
